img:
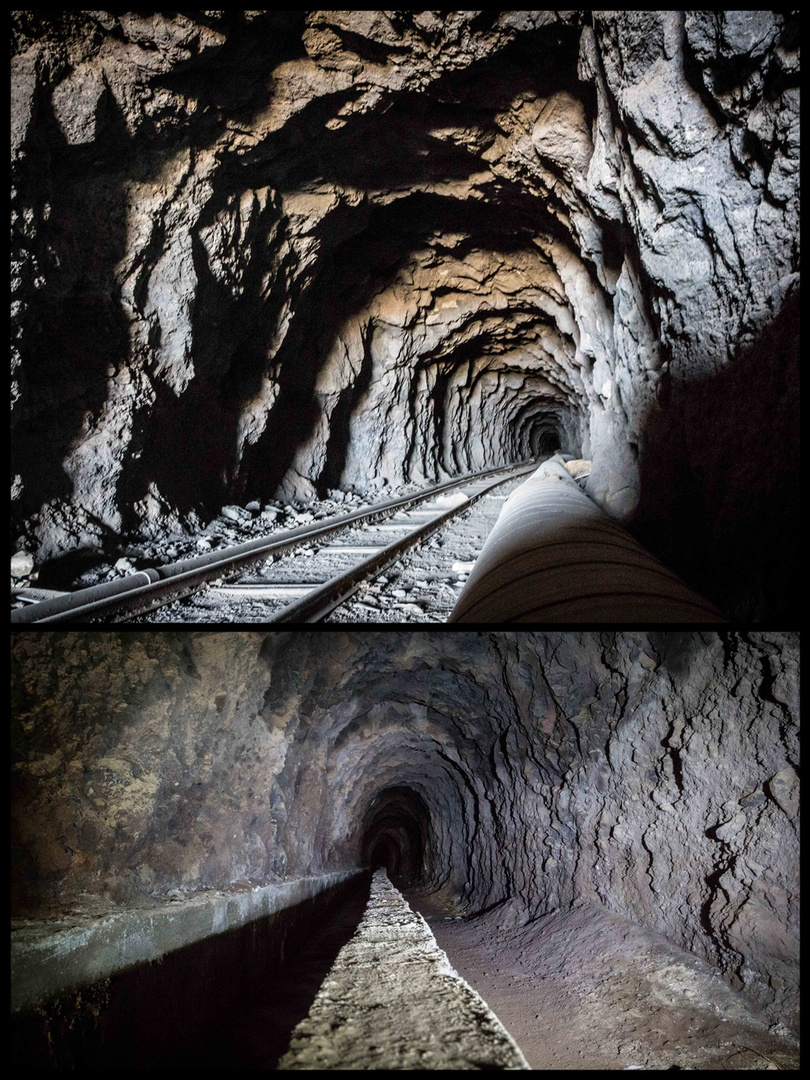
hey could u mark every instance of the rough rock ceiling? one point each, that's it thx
(265, 252)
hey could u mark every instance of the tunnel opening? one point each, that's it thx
(545, 424)
(545, 443)
(398, 284)
(397, 835)
(385, 855)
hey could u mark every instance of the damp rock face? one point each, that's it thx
(276, 253)
(654, 774)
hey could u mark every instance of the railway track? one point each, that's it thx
(296, 576)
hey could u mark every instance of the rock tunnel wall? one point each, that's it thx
(269, 252)
(656, 774)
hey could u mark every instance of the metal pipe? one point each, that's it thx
(68, 603)
(554, 556)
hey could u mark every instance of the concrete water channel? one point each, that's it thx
(341, 974)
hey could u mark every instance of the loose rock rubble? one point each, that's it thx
(234, 525)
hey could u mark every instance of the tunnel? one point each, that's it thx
(397, 835)
(265, 262)
(432, 849)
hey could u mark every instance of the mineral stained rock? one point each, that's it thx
(271, 253)
(655, 774)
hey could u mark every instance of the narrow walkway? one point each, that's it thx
(392, 1001)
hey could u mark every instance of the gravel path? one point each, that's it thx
(423, 586)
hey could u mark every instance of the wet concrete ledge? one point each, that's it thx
(392, 1000)
(48, 958)
(137, 988)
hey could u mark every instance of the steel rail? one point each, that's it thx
(152, 588)
(325, 598)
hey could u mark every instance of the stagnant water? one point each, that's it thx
(257, 1037)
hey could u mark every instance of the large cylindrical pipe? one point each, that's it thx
(554, 556)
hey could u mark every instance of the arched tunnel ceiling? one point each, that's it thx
(528, 769)
(268, 252)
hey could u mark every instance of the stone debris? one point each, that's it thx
(233, 526)
(235, 513)
(423, 575)
(392, 1000)
(578, 468)
(447, 502)
(22, 564)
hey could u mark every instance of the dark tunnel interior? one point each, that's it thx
(397, 835)
(309, 849)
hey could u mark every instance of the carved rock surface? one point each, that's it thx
(655, 774)
(277, 253)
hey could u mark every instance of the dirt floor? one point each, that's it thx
(587, 989)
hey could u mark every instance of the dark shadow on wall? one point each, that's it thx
(229, 1001)
(356, 268)
(259, 1035)
(187, 444)
(719, 473)
(192, 446)
(337, 447)
(678, 652)
(362, 251)
(74, 326)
